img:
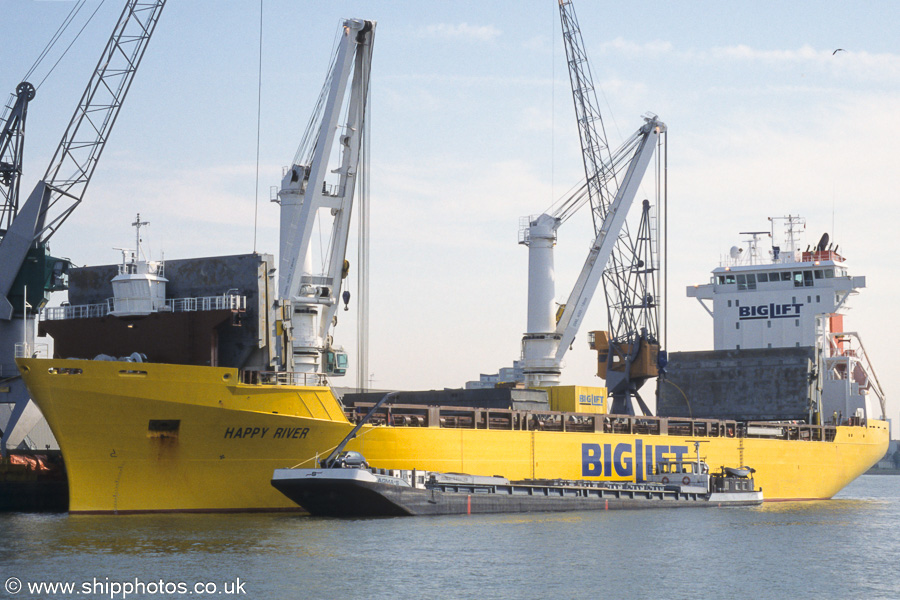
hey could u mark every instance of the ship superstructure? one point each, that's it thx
(773, 299)
(783, 304)
(140, 287)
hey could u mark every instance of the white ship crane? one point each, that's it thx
(25, 263)
(549, 335)
(332, 144)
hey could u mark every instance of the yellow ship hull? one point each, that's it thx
(153, 437)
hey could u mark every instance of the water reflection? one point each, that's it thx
(800, 549)
(160, 534)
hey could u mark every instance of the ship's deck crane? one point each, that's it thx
(549, 336)
(25, 263)
(313, 297)
(631, 349)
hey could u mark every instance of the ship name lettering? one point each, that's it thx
(293, 433)
(280, 433)
(626, 460)
(245, 432)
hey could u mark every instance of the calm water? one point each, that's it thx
(844, 548)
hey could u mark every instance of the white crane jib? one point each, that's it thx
(304, 190)
(547, 340)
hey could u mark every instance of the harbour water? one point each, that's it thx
(843, 548)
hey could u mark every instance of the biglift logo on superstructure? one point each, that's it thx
(773, 310)
(627, 460)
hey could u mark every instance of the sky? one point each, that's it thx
(471, 128)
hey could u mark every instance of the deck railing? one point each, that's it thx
(232, 302)
(282, 378)
(26, 350)
(414, 415)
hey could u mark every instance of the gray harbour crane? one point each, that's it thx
(28, 273)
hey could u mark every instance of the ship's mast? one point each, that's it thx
(137, 235)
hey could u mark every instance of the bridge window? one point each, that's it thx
(763, 277)
(785, 275)
(829, 273)
(819, 274)
(746, 282)
(807, 278)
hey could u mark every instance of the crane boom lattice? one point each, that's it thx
(76, 157)
(631, 274)
(12, 141)
(595, 149)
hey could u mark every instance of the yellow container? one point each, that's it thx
(578, 398)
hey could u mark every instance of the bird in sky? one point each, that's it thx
(838, 50)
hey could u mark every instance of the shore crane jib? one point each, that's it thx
(27, 271)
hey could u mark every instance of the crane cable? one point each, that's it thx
(56, 36)
(258, 126)
(53, 40)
